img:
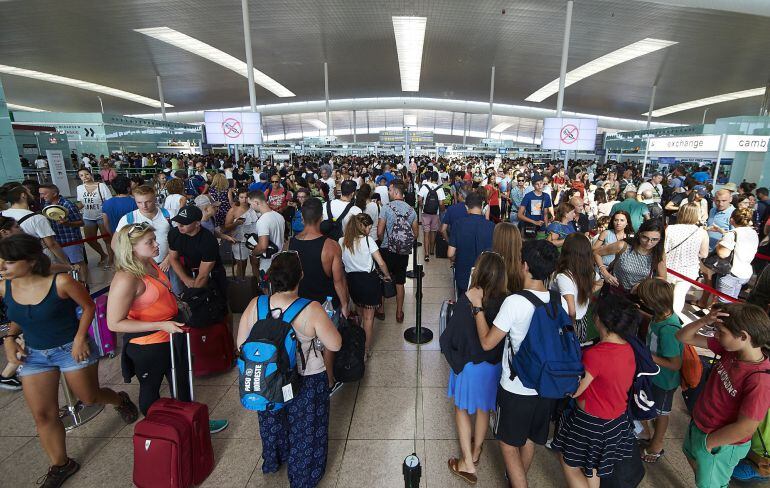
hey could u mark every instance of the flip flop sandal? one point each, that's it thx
(400, 317)
(469, 478)
(380, 315)
(476, 462)
(652, 458)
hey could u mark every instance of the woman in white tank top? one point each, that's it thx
(304, 421)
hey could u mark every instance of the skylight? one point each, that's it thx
(410, 37)
(199, 48)
(702, 102)
(632, 51)
(501, 127)
(316, 123)
(84, 85)
(24, 108)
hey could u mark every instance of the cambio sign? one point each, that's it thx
(747, 143)
(684, 144)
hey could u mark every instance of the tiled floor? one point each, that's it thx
(396, 409)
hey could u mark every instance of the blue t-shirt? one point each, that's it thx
(470, 237)
(259, 186)
(562, 230)
(116, 208)
(388, 177)
(535, 206)
(454, 213)
(701, 176)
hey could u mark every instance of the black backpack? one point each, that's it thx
(206, 305)
(431, 204)
(349, 360)
(331, 227)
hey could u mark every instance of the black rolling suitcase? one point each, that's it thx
(442, 246)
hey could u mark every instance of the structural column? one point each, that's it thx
(249, 58)
(564, 56)
(160, 96)
(491, 101)
(465, 126)
(652, 105)
(326, 94)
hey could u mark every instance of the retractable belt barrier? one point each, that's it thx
(703, 286)
(83, 241)
(763, 257)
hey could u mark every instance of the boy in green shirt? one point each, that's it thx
(658, 296)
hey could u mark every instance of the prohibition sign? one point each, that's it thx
(569, 134)
(231, 128)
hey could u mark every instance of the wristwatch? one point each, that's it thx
(476, 310)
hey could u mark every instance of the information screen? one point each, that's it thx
(569, 134)
(233, 127)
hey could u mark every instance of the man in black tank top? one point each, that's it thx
(323, 274)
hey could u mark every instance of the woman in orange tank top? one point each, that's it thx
(142, 306)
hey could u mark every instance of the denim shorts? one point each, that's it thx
(43, 360)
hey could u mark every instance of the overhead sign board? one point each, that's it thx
(569, 134)
(397, 137)
(684, 144)
(233, 127)
(747, 143)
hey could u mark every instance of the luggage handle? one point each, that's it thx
(174, 392)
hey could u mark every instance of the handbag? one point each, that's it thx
(528, 231)
(718, 264)
(388, 288)
(205, 305)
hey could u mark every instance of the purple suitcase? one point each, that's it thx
(105, 339)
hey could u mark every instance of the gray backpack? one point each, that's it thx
(401, 237)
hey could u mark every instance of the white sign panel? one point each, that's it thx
(233, 127)
(684, 144)
(58, 172)
(569, 134)
(747, 143)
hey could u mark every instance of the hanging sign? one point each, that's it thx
(747, 143)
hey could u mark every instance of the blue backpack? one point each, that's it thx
(548, 359)
(130, 215)
(267, 363)
(641, 405)
(297, 225)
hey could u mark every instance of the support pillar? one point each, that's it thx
(326, 94)
(652, 105)
(162, 100)
(491, 100)
(249, 58)
(564, 57)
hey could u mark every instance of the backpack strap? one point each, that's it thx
(130, 217)
(293, 310)
(533, 299)
(21, 220)
(165, 213)
(329, 215)
(263, 307)
(344, 212)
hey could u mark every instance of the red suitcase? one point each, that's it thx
(213, 349)
(172, 444)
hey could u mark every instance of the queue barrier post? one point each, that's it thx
(75, 413)
(418, 334)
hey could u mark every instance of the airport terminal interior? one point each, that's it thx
(489, 212)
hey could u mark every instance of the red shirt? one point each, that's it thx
(734, 388)
(559, 180)
(493, 195)
(277, 199)
(613, 367)
(578, 185)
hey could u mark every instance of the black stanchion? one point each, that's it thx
(418, 334)
(410, 274)
(412, 471)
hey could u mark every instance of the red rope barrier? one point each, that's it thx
(763, 257)
(703, 286)
(83, 241)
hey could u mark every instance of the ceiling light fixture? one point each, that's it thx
(316, 123)
(702, 102)
(501, 127)
(632, 51)
(410, 37)
(24, 108)
(199, 48)
(84, 85)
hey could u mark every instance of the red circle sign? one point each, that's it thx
(231, 128)
(569, 134)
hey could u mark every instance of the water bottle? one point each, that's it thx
(329, 309)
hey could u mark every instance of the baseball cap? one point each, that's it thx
(700, 190)
(203, 200)
(536, 177)
(629, 188)
(188, 214)
(730, 187)
(263, 177)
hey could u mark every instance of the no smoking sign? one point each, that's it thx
(569, 134)
(231, 128)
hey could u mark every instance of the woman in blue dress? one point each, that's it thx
(474, 373)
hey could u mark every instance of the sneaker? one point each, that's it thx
(57, 475)
(127, 410)
(336, 387)
(10, 382)
(745, 472)
(217, 426)
(549, 443)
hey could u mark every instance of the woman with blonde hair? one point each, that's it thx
(359, 253)
(506, 241)
(222, 196)
(686, 243)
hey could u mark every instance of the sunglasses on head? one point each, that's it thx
(140, 227)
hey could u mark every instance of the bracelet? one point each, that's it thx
(6, 336)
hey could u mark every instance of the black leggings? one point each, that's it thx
(152, 363)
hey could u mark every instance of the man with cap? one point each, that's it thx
(536, 208)
(654, 186)
(636, 209)
(200, 250)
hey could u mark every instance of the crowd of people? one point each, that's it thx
(600, 247)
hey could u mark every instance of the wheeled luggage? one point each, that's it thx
(442, 246)
(172, 444)
(213, 349)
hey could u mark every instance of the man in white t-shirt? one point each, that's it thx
(430, 219)
(270, 229)
(382, 190)
(522, 417)
(41, 163)
(86, 161)
(654, 186)
(149, 212)
(338, 206)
